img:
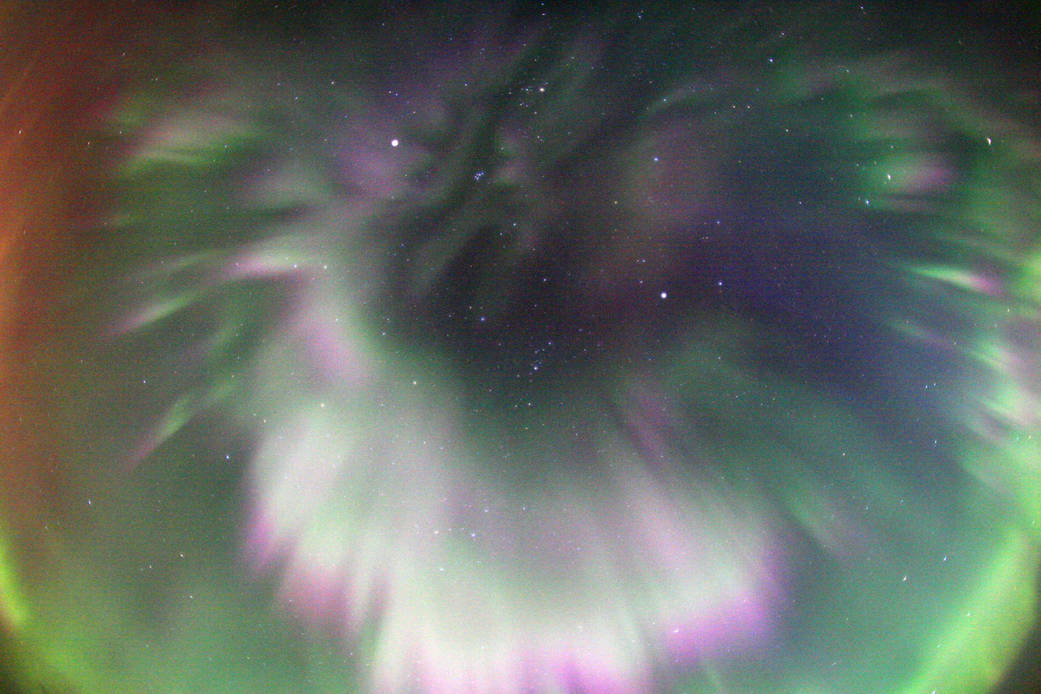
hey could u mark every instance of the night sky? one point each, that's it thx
(417, 348)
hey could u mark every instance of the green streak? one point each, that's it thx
(971, 654)
(13, 608)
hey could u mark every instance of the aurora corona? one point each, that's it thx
(513, 352)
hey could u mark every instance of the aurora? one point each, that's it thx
(504, 352)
